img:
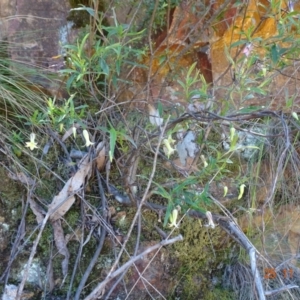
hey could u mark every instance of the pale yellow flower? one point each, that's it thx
(211, 223)
(74, 131)
(295, 116)
(173, 218)
(87, 138)
(32, 143)
(61, 127)
(167, 146)
(232, 133)
(242, 189)
(204, 161)
(225, 191)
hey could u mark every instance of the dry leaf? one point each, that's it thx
(65, 199)
(37, 210)
(61, 245)
(100, 159)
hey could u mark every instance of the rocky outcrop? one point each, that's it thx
(32, 33)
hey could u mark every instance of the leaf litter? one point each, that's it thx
(64, 200)
(62, 203)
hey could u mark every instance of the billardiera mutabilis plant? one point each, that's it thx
(87, 138)
(32, 144)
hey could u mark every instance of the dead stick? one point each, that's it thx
(32, 254)
(284, 288)
(99, 288)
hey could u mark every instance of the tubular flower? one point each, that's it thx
(74, 131)
(242, 189)
(232, 133)
(87, 138)
(173, 218)
(204, 161)
(225, 191)
(211, 223)
(295, 116)
(32, 143)
(168, 143)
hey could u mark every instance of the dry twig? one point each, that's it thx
(100, 287)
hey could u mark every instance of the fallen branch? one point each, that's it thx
(235, 232)
(284, 288)
(100, 287)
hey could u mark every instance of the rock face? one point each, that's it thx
(34, 31)
(283, 226)
(33, 28)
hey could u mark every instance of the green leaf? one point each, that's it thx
(204, 195)
(168, 213)
(118, 66)
(104, 67)
(162, 192)
(84, 8)
(258, 91)
(191, 69)
(266, 82)
(181, 83)
(249, 109)
(70, 81)
(274, 54)
(160, 108)
(228, 56)
(80, 48)
(162, 59)
(238, 43)
(289, 102)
